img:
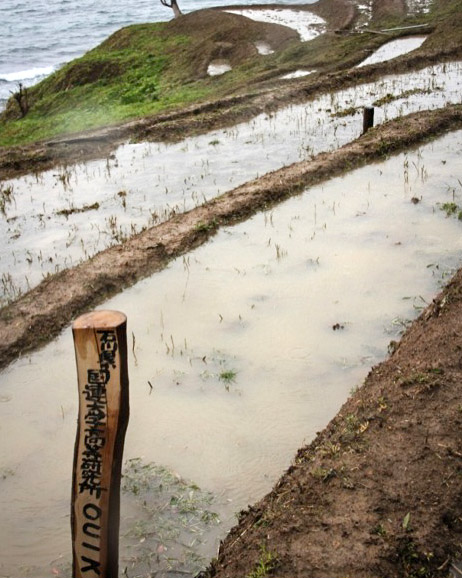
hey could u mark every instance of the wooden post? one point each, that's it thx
(100, 340)
(368, 118)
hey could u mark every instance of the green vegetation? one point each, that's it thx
(145, 69)
(414, 564)
(171, 519)
(228, 377)
(452, 209)
(132, 74)
(265, 565)
(6, 196)
(206, 227)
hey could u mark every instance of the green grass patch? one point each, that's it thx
(145, 69)
(132, 74)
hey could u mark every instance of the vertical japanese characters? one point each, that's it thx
(95, 419)
(103, 417)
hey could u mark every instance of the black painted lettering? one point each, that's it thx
(92, 511)
(91, 547)
(93, 565)
(88, 526)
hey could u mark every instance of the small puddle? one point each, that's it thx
(307, 24)
(235, 360)
(394, 49)
(263, 48)
(218, 67)
(50, 221)
(298, 74)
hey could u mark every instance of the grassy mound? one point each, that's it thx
(139, 70)
(145, 69)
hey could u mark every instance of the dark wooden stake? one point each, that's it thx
(100, 340)
(368, 118)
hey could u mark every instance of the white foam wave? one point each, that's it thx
(28, 74)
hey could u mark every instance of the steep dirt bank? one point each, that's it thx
(377, 494)
(41, 313)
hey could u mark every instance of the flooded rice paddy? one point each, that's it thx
(297, 74)
(307, 24)
(218, 67)
(239, 353)
(58, 218)
(394, 49)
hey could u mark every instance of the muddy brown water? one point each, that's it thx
(241, 351)
(48, 222)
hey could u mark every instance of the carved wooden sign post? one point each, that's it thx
(100, 340)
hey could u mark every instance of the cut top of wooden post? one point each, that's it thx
(100, 320)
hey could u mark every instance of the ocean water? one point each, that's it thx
(38, 37)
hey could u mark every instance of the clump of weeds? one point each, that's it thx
(267, 562)
(414, 564)
(401, 95)
(228, 377)
(206, 227)
(6, 196)
(220, 369)
(74, 210)
(452, 209)
(353, 428)
(345, 112)
(330, 449)
(169, 520)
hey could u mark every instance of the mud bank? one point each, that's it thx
(41, 314)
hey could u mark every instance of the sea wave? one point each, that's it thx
(28, 74)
